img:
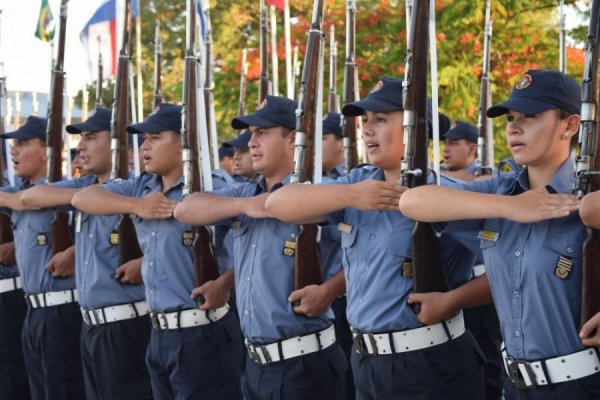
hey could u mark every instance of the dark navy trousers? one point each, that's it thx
(13, 377)
(52, 352)
(113, 360)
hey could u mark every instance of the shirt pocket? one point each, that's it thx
(349, 253)
(562, 255)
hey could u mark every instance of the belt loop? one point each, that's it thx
(178, 319)
(207, 315)
(135, 310)
(280, 350)
(545, 370)
(392, 345)
(318, 336)
(447, 330)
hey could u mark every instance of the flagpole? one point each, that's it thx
(289, 79)
(274, 58)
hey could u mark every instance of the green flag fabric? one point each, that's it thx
(45, 23)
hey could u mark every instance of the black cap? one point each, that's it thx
(34, 128)
(273, 111)
(166, 117)
(539, 90)
(241, 141)
(462, 130)
(99, 121)
(225, 151)
(384, 97)
(332, 124)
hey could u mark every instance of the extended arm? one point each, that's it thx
(590, 210)
(301, 204)
(437, 204)
(96, 200)
(43, 196)
(205, 209)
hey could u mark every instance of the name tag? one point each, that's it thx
(488, 235)
(114, 238)
(344, 228)
(407, 268)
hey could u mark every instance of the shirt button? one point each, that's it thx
(253, 245)
(569, 250)
(517, 253)
(360, 299)
(246, 312)
(517, 333)
(293, 235)
(151, 262)
(372, 236)
(516, 293)
(91, 235)
(153, 233)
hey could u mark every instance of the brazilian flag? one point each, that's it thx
(45, 24)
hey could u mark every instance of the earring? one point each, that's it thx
(565, 135)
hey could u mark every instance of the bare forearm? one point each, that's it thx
(97, 201)
(336, 285)
(205, 209)
(41, 196)
(472, 294)
(227, 279)
(437, 204)
(12, 201)
(590, 210)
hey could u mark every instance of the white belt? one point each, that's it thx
(478, 270)
(10, 284)
(99, 316)
(49, 299)
(187, 318)
(289, 348)
(367, 343)
(529, 374)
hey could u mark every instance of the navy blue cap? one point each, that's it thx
(273, 111)
(225, 151)
(241, 141)
(539, 90)
(332, 124)
(384, 97)
(463, 130)
(34, 128)
(167, 116)
(99, 121)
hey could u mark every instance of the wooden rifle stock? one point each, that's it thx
(429, 274)
(157, 98)
(99, 101)
(205, 263)
(61, 234)
(6, 233)
(129, 247)
(485, 141)
(264, 84)
(308, 266)
(587, 164)
(349, 123)
(333, 101)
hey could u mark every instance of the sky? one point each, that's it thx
(27, 60)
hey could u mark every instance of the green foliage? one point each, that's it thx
(525, 35)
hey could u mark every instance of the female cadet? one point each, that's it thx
(531, 242)
(395, 355)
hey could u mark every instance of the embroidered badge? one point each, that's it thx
(114, 238)
(564, 266)
(407, 268)
(289, 248)
(488, 235)
(525, 81)
(262, 105)
(344, 228)
(377, 86)
(187, 238)
(42, 239)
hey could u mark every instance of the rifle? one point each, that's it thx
(562, 47)
(129, 247)
(349, 123)
(99, 101)
(307, 269)
(157, 99)
(242, 103)
(61, 233)
(205, 262)
(6, 233)
(428, 273)
(264, 83)
(333, 101)
(485, 141)
(587, 164)
(209, 85)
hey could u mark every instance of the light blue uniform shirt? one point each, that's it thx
(7, 270)
(375, 245)
(96, 259)
(223, 236)
(264, 276)
(534, 270)
(168, 266)
(33, 247)
(330, 244)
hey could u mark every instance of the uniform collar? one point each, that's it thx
(261, 184)
(562, 181)
(26, 183)
(154, 184)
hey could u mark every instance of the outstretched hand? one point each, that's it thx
(538, 205)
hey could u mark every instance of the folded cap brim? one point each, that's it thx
(85, 127)
(522, 105)
(360, 107)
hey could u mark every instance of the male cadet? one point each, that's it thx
(116, 327)
(333, 146)
(460, 151)
(395, 355)
(53, 323)
(226, 161)
(291, 355)
(242, 167)
(193, 353)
